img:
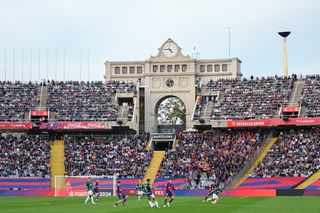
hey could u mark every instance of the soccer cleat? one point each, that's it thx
(168, 204)
(164, 206)
(114, 205)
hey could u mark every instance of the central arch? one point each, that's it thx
(170, 113)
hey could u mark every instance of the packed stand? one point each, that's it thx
(311, 96)
(108, 155)
(17, 99)
(244, 99)
(212, 156)
(85, 101)
(24, 156)
(295, 154)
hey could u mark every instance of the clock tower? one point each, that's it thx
(167, 74)
(170, 74)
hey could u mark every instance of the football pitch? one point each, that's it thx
(181, 205)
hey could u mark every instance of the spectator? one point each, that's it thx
(16, 100)
(216, 155)
(124, 155)
(295, 154)
(24, 156)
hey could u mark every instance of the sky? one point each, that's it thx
(71, 39)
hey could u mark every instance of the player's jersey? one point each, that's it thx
(96, 188)
(147, 189)
(139, 187)
(119, 190)
(89, 186)
(215, 190)
(170, 187)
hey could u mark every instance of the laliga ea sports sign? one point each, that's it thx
(84, 193)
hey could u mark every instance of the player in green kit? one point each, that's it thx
(213, 192)
(148, 193)
(139, 188)
(90, 192)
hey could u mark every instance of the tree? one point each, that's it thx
(171, 111)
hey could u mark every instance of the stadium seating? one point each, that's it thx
(107, 155)
(311, 96)
(250, 98)
(295, 154)
(16, 99)
(85, 101)
(24, 156)
(217, 155)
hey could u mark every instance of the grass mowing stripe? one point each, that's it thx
(180, 204)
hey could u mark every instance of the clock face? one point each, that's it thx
(169, 83)
(170, 49)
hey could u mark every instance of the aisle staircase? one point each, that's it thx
(57, 164)
(154, 166)
(310, 180)
(253, 163)
(295, 96)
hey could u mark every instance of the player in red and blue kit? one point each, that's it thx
(96, 192)
(122, 197)
(169, 193)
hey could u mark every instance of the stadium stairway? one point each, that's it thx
(154, 166)
(57, 164)
(310, 180)
(252, 163)
(295, 96)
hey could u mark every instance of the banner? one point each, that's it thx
(15, 125)
(291, 109)
(82, 193)
(296, 121)
(163, 136)
(248, 123)
(72, 125)
(40, 113)
(274, 122)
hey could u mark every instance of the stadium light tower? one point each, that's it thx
(284, 35)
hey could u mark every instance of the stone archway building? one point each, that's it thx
(170, 73)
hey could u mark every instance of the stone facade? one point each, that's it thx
(168, 74)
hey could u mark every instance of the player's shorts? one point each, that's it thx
(150, 196)
(121, 196)
(95, 191)
(214, 196)
(140, 193)
(90, 192)
(169, 194)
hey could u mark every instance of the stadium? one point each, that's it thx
(171, 131)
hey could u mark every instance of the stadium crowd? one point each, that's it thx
(108, 155)
(250, 98)
(216, 155)
(311, 96)
(24, 156)
(16, 99)
(296, 153)
(85, 101)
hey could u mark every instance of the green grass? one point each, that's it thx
(181, 205)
